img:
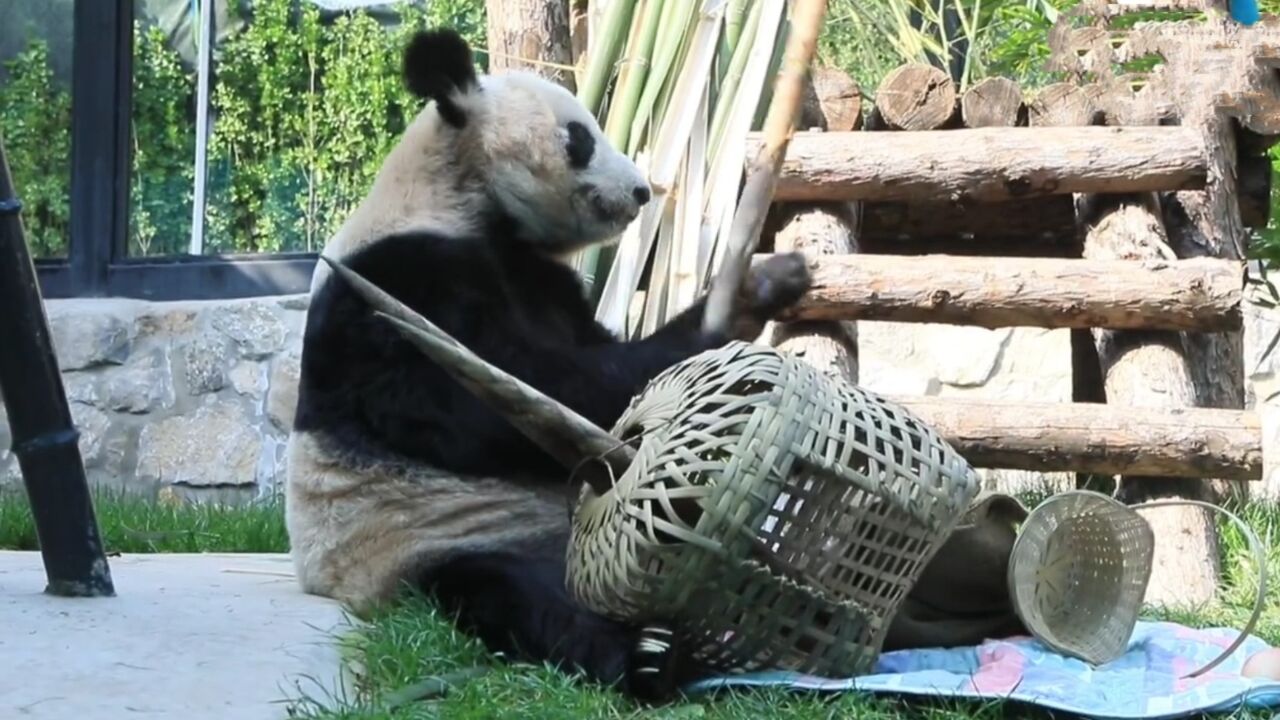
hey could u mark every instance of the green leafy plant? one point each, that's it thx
(35, 125)
(302, 110)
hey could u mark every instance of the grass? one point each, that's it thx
(131, 524)
(410, 641)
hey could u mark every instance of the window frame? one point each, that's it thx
(97, 262)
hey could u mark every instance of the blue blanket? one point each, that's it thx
(1145, 682)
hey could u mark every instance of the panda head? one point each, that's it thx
(527, 144)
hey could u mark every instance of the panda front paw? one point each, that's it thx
(770, 288)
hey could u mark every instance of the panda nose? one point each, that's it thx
(641, 194)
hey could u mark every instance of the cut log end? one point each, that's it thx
(916, 97)
(994, 102)
(1061, 105)
(839, 99)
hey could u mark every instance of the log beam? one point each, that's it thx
(1103, 439)
(1194, 294)
(987, 164)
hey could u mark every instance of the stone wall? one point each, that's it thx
(196, 399)
(190, 398)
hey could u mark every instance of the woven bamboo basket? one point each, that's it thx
(775, 516)
(1078, 572)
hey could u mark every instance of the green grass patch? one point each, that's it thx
(132, 524)
(410, 642)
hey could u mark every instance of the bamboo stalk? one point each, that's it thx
(729, 86)
(684, 281)
(664, 58)
(758, 192)
(728, 158)
(628, 65)
(668, 149)
(605, 54)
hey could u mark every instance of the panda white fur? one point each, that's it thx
(397, 475)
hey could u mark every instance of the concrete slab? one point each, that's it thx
(188, 636)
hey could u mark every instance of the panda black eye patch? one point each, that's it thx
(581, 144)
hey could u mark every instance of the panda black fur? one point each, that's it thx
(398, 474)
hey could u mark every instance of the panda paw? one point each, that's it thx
(770, 288)
(652, 672)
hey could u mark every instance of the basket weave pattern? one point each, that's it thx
(775, 515)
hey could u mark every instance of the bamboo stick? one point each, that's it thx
(763, 178)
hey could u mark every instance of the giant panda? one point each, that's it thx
(398, 476)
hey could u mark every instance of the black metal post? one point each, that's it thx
(44, 437)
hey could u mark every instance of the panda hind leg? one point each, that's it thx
(518, 606)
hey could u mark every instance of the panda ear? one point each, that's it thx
(438, 66)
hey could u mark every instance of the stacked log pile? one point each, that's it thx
(1118, 206)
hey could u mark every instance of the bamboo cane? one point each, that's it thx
(763, 177)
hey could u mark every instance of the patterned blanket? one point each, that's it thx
(1146, 682)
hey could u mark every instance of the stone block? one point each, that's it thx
(143, 386)
(216, 445)
(256, 329)
(282, 391)
(86, 339)
(205, 361)
(249, 379)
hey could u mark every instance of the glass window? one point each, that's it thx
(162, 134)
(301, 100)
(35, 116)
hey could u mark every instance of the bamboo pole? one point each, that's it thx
(757, 195)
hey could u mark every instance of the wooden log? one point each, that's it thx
(916, 96)
(1148, 369)
(1104, 439)
(1255, 190)
(994, 102)
(1195, 294)
(829, 345)
(839, 97)
(1060, 105)
(1029, 220)
(987, 164)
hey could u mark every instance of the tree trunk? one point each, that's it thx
(1061, 105)
(531, 35)
(821, 230)
(1148, 368)
(1025, 292)
(987, 164)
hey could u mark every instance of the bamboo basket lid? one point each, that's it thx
(775, 516)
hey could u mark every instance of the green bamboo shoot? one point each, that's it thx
(605, 54)
(733, 79)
